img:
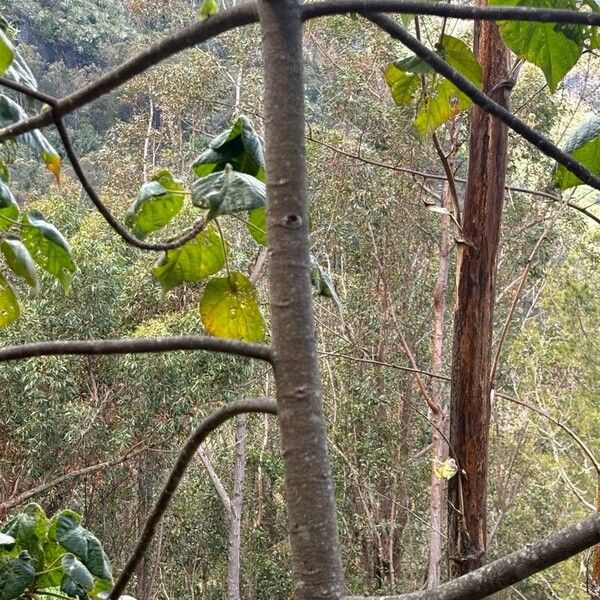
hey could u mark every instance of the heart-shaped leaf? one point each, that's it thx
(77, 580)
(554, 47)
(48, 247)
(67, 531)
(196, 260)
(158, 202)
(240, 146)
(227, 192)
(8, 206)
(19, 260)
(229, 309)
(9, 303)
(447, 100)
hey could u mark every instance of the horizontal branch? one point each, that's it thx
(246, 14)
(243, 14)
(513, 568)
(453, 11)
(550, 149)
(436, 176)
(24, 496)
(105, 212)
(137, 345)
(212, 422)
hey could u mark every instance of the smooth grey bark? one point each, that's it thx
(314, 542)
(235, 524)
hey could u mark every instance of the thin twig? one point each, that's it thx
(24, 496)
(435, 176)
(210, 423)
(137, 345)
(27, 91)
(108, 216)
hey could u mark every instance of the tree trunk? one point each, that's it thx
(439, 447)
(235, 523)
(309, 489)
(471, 386)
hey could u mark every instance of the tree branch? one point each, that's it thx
(27, 91)
(24, 496)
(246, 14)
(108, 216)
(426, 175)
(510, 569)
(547, 147)
(210, 423)
(243, 14)
(137, 345)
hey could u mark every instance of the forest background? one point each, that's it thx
(377, 231)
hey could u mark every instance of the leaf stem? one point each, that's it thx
(225, 253)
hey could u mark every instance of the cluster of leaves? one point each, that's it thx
(27, 239)
(56, 555)
(553, 47)
(230, 180)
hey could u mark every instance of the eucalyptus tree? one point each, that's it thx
(229, 180)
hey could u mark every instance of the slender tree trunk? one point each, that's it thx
(144, 498)
(235, 523)
(439, 447)
(470, 391)
(309, 489)
(594, 584)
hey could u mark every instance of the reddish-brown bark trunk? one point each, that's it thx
(470, 392)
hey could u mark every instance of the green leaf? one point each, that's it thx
(584, 146)
(52, 574)
(208, 8)
(554, 47)
(229, 309)
(447, 100)
(4, 173)
(6, 540)
(11, 112)
(16, 576)
(29, 528)
(9, 303)
(6, 52)
(402, 85)
(196, 260)
(77, 580)
(8, 206)
(19, 260)
(257, 225)
(240, 146)
(227, 192)
(68, 532)
(48, 247)
(322, 281)
(158, 202)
